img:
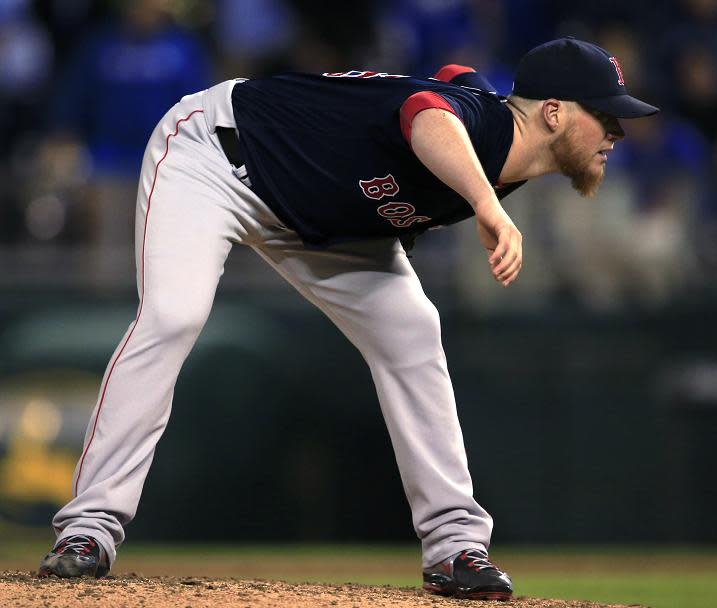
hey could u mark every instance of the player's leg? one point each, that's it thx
(187, 216)
(370, 291)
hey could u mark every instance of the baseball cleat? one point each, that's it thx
(74, 556)
(470, 575)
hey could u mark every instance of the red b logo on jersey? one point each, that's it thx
(618, 69)
(378, 187)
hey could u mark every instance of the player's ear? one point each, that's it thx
(553, 112)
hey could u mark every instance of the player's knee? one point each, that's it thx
(177, 321)
(427, 322)
(411, 337)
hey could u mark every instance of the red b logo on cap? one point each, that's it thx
(618, 69)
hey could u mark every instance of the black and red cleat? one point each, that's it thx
(74, 556)
(469, 575)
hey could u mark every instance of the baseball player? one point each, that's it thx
(324, 176)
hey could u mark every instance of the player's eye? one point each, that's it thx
(608, 123)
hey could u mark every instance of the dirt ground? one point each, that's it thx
(25, 590)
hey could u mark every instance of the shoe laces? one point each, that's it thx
(79, 544)
(478, 560)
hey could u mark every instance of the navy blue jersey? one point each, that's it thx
(327, 154)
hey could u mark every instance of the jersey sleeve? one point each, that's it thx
(448, 72)
(423, 100)
(453, 74)
(464, 76)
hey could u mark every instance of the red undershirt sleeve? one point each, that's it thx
(423, 100)
(450, 71)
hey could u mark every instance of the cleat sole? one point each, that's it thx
(449, 590)
(496, 596)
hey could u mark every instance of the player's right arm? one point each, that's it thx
(441, 143)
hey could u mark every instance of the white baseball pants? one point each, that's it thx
(191, 208)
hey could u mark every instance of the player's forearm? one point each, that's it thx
(441, 143)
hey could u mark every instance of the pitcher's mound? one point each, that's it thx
(25, 590)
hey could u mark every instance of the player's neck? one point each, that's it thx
(529, 155)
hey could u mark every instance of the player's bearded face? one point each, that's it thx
(577, 161)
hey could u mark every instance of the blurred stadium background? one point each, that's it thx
(587, 391)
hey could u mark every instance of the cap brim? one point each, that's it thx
(621, 106)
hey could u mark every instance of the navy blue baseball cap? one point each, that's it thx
(575, 70)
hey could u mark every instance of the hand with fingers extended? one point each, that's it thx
(504, 245)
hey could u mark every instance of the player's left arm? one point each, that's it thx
(441, 142)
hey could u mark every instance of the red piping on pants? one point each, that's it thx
(141, 302)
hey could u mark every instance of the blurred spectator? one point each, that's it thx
(691, 21)
(417, 37)
(67, 21)
(257, 37)
(422, 35)
(333, 36)
(696, 87)
(254, 37)
(526, 24)
(119, 82)
(26, 56)
(688, 50)
(647, 19)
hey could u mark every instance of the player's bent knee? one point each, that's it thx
(410, 337)
(178, 321)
